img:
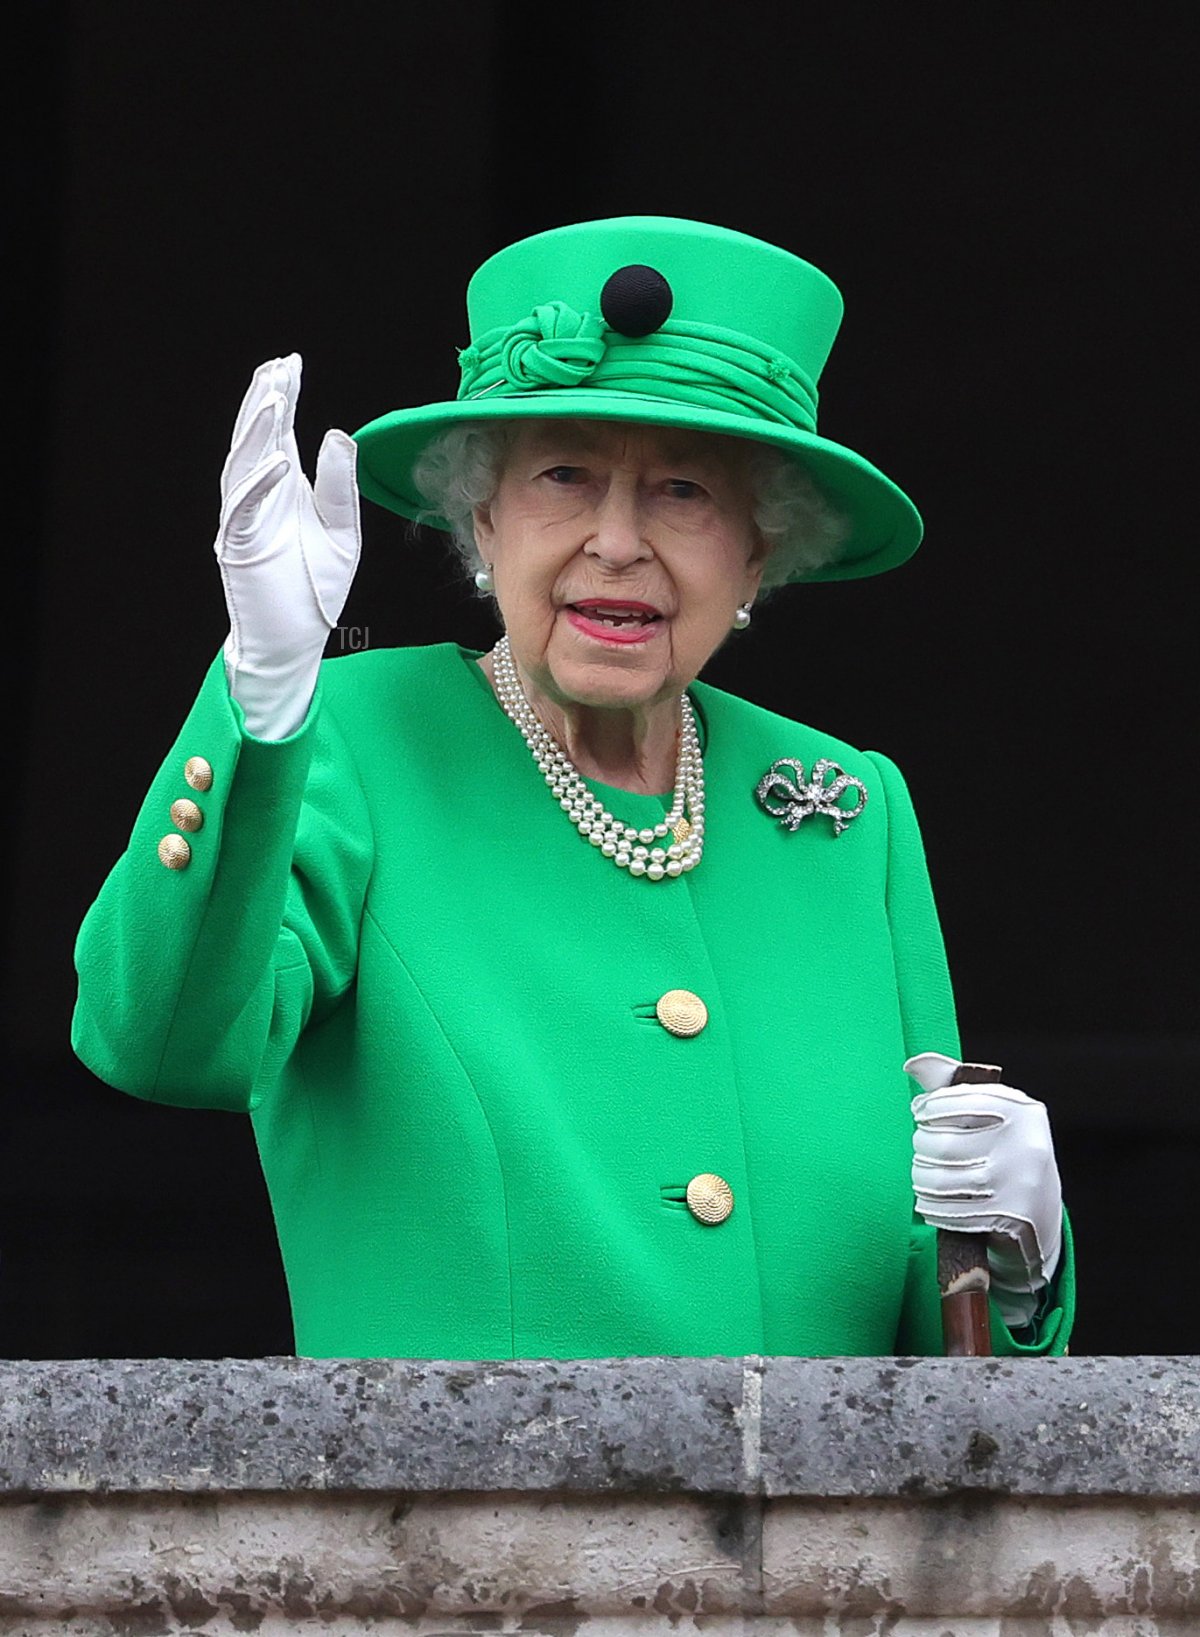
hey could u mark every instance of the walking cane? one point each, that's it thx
(962, 1264)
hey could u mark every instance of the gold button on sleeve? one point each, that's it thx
(185, 815)
(681, 1013)
(174, 852)
(198, 773)
(709, 1198)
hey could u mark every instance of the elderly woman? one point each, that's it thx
(570, 997)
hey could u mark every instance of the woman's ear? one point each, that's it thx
(756, 565)
(485, 530)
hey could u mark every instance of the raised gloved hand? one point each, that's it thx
(983, 1162)
(287, 552)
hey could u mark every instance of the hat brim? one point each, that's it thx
(885, 527)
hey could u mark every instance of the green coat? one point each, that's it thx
(437, 1004)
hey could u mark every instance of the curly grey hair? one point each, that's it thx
(461, 469)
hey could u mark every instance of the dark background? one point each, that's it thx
(996, 190)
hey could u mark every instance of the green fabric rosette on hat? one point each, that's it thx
(659, 321)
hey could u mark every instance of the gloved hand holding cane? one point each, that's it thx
(983, 1163)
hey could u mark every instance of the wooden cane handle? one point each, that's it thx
(963, 1275)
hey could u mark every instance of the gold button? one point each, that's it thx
(198, 773)
(174, 852)
(185, 815)
(709, 1197)
(681, 1013)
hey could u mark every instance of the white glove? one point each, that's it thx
(983, 1162)
(287, 552)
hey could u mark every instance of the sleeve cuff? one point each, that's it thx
(1049, 1330)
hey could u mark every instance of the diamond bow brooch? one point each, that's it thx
(793, 799)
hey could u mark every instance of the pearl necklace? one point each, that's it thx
(639, 851)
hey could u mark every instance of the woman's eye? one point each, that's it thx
(682, 488)
(563, 474)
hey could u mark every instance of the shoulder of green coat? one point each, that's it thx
(421, 690)
(749, 739)
(387, 668)
(765, 733)
(889, 778)
(892, 790)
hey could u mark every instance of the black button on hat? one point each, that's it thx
(636, 300)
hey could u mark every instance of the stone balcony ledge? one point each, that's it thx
(745, 1426)
(916, 1497)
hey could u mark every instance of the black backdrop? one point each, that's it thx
(995, 189)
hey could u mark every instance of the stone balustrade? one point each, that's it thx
(916, 1498)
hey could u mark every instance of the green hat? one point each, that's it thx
(662, 322)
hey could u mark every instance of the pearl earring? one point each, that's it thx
(483, 578)
(742, 618)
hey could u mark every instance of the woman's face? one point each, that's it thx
(619, 554)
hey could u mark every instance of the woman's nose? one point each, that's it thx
(619, 535)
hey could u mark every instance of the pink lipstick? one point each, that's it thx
(615, 620)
